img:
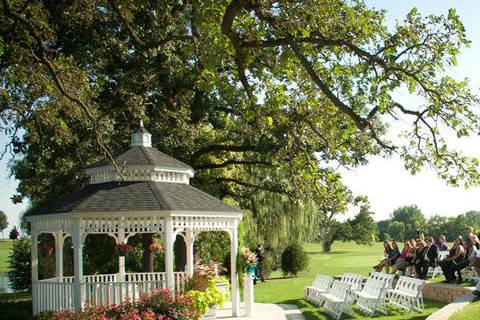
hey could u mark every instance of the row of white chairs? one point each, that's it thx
(338, 296)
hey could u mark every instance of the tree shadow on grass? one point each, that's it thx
(18, 310)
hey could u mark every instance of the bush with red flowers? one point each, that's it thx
(160, 305)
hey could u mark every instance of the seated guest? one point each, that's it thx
(419, 255)
(391, 254)
(456, 254)
(402, 261)
(475, 263)
(442, 243)
(475, 241)
(470, 255)
(427, 259)
(469, 232)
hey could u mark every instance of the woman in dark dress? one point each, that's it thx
(456, 254)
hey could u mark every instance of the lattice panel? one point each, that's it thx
(205, 223)
(132, 225)
(52, 225)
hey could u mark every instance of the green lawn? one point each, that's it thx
(472, 311)
(345, 257)
(5, 248)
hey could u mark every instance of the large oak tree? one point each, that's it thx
(263, 98)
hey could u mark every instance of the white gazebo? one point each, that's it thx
(151, 194)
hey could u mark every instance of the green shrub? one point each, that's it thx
(20, 274)
(294, 259)
(45, 315)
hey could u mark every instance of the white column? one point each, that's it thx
(189, 241)
(121, 259)
(34, 269)
(233, 272)
(77, 264)
(58, 254)
(168, 231)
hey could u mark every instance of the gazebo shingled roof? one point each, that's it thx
(144, 156)
(136, 195)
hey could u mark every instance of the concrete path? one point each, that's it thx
(264, 311)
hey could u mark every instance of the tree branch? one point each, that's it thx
(223, 148)
(227, 23)
(232, 162)
(134, 35)
(275, 189)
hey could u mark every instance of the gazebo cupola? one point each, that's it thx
(141, 138)
(141, 163)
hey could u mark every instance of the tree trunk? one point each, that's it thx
(327, 245)
(147, 257)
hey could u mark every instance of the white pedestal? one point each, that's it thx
(248, 294)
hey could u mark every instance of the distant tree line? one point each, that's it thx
(407, 222)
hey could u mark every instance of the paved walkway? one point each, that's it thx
(453, 307)
(264, 311)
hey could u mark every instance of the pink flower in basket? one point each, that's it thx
(123, 249)
(46, 250)
(155, 247)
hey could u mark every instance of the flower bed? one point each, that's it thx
(160, 305)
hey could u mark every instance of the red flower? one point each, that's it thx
(123, 248)
(46, 250)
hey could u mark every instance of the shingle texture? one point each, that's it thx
(145, 156)
(136, 196)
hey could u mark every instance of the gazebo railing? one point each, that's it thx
(52, 294)
(58, 293)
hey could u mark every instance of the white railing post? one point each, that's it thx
(248, 295)
(77, 264)
(34, 255)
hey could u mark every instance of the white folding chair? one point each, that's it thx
(407, 294)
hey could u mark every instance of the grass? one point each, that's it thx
(472, 311)
(345, 257)
(5, 248)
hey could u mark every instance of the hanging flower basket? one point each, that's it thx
(155, 247)
(46, 250)
(123, 249)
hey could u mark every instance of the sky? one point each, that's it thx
(386, 183)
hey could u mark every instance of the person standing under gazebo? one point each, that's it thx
(260, 255)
